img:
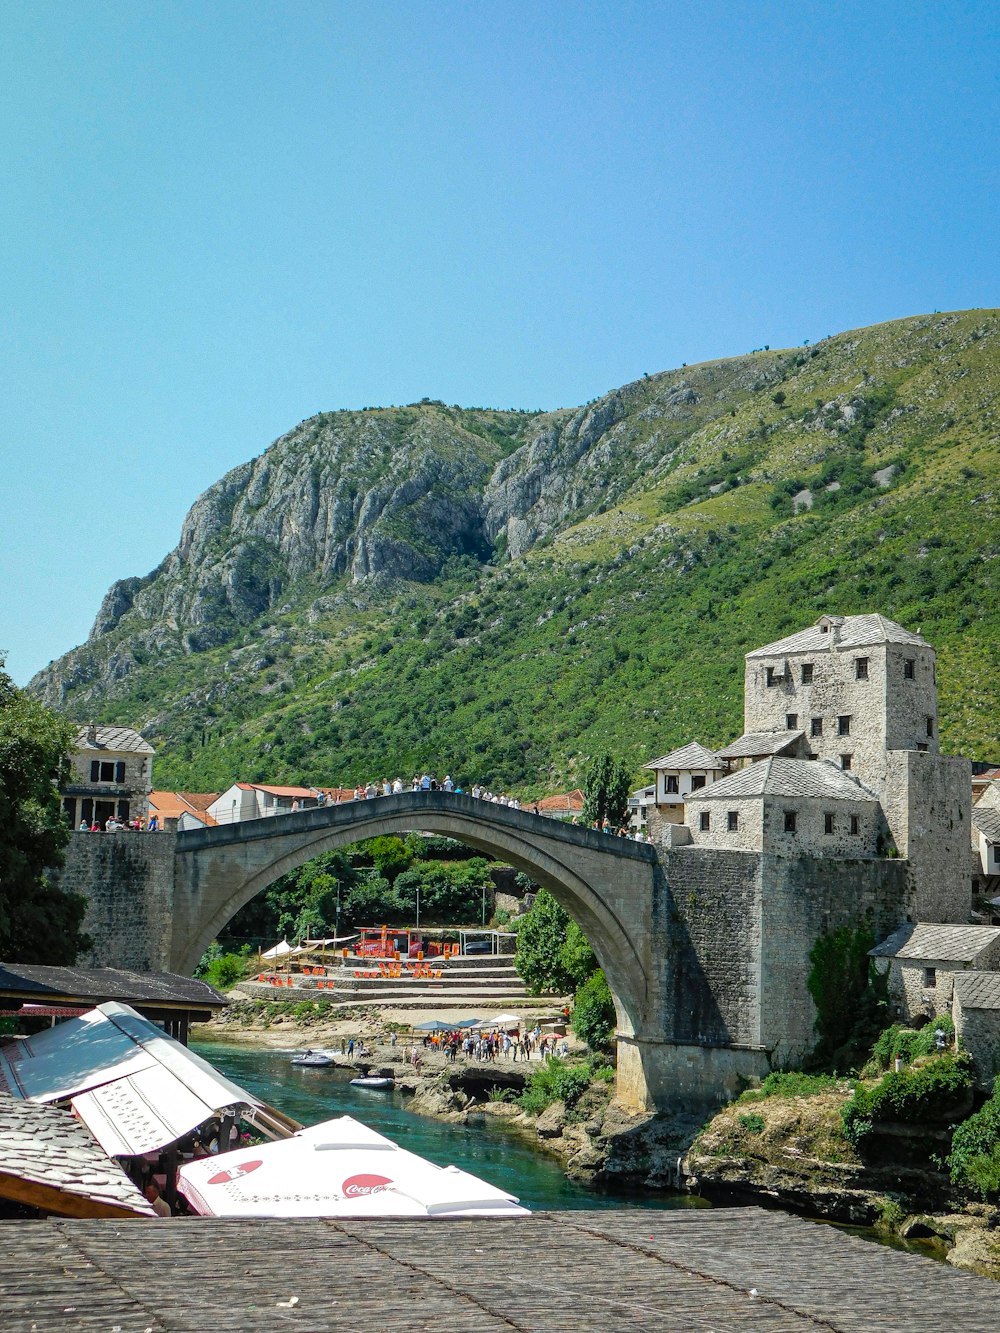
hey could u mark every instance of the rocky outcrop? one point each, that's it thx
(375, 498)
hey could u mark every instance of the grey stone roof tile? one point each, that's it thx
(852, 632)
(120, 739)
(935, 941)
(757, 744)
(987, 821)
(97, 984)
(50, 1147)
(692, 755)
(788, 778)
(978, 990)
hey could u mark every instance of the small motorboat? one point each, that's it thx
(371, 1081)
(313, 1060)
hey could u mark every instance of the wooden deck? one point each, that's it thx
(691, 1271)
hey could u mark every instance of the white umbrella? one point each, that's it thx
(340, 1168)
(503, 1021)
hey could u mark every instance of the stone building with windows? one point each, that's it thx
(839, 758)
(111, 775)
(679, 774)
(834, 810)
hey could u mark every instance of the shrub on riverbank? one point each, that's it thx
(566, 1082)
(796, 1084)
(929, 1094)
(908, 1043)
(975, 1149)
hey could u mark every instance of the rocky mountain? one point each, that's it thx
(502, 592)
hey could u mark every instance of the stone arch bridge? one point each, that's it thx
(705, 951)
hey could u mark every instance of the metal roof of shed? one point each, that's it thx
(136, 1088)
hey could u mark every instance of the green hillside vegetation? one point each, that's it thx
(856, 475)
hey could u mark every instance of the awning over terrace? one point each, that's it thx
(137, 1089)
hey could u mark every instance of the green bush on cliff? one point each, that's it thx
(908, 1043)
(794, 1084)
(929, 1093)
(555, 1081)
(974, 1161)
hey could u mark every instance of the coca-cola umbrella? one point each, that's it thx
(339, 1168)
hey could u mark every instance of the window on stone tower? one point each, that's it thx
(791, 721)
(930, 978)
(807, 673)
(790, 820)
(733, 820)
(827, 822)
(908, 664)
(704, 821)
(845, 761)
(816, 727)
(861, 668)
(844, 725)
(930, 726)
(855, 824)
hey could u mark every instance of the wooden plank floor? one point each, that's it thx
(550, 1273)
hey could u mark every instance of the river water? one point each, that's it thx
(488, 1148)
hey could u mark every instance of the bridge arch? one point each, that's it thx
(594, 877)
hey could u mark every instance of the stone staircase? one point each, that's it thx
(474, 983)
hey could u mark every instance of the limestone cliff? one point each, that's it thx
(544, 584)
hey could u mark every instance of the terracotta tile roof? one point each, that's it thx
(282, 791)
(692, 755)
(936, 942)
(173, 804)
(570, 802)
(787, 777)
(199, 800)
(850, 632)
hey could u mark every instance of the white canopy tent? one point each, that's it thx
(340, 1168)
(280, 950)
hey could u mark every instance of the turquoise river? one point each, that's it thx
(485, 1148)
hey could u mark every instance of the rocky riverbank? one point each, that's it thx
(791, 1152)
(787, 1152)
(599, 1141)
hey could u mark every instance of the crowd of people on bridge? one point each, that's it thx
(428, 782)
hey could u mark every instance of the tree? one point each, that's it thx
(39, 923)
(541, 935)
(390, 856)
(576, 957)
(606, 791)
(593, 1018)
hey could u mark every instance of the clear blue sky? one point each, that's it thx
(219, 218)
